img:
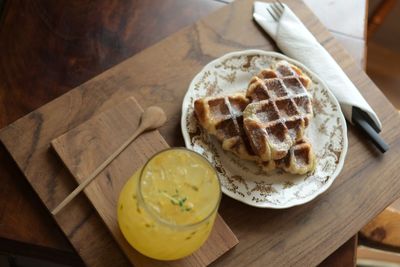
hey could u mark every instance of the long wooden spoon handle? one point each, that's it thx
(90, 178)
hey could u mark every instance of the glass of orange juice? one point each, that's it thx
(167, 209)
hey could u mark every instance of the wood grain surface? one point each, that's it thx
(384, 228)
(20, 208)
(308, 233)
(47, 48)
(87, 146)
(344, 256)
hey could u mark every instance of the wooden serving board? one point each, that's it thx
(160, 75)
(87, 146)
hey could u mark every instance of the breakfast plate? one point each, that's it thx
(245, 180)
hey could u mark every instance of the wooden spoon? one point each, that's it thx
(152, 118)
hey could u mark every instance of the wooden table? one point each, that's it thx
(63, 55)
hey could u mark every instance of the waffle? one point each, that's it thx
(299, 160)
(222, 117)
(279, 111)
(267, 123)
(284, 69)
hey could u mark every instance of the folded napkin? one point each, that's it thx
(294, 39)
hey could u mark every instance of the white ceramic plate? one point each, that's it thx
(244, 180)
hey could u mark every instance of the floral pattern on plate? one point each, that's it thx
(245, 180)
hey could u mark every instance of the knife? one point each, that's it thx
(363, 122)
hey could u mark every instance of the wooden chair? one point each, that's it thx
(379, 15)
(382, 234)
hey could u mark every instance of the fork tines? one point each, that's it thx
(276, 10)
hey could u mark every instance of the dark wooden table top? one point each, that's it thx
(49, 47)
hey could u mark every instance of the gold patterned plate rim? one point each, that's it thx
(243, 180)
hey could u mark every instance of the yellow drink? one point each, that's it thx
(167, 209)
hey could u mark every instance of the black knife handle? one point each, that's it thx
(360, 121)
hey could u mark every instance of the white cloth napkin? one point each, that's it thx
(294, 40)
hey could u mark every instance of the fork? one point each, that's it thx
(276, 10)
(359, 117)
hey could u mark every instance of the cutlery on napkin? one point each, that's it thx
(296, 41)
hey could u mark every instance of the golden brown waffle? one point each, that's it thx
(299, 160)
(283, 69)
(222, 117)
(279, 113)
(267, 124)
